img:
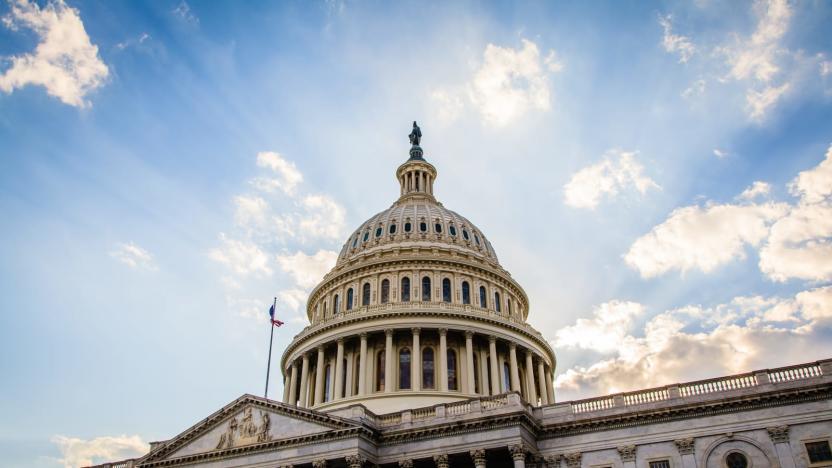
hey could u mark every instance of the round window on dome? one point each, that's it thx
(465, 234)
(366, 236)
(392, 229)
(423, 226)
(379, 231)
(407, 227)
(452, 230)
(438, 228)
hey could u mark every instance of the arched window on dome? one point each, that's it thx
(426, 289)
(476, 374)
(365, 295)
(404, 369)
(465, 234)
(506, 377)
(508, 303)
(336, 305)
(327, 382)
(355, 241)
(452, 371)
(385, 291)
(483, 298)
(380, 371)
(423, 226)
(497, 302)
(349, 298)
(466, 293)
(379, 230)
(408, 226)
(405, 289)
(452, 230)
(428, 368)
(392, 229)
(366, 236)
(446, 290)
(437, 227)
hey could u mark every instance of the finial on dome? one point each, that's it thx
(415, 137)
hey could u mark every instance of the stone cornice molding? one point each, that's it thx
(459, 427)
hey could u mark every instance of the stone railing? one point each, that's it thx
(436, 413)
(119, 464)
(702, 387)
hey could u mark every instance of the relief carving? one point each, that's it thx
(247, 431)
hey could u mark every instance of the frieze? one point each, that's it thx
(247, 431)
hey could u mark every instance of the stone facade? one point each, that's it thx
(418, 354)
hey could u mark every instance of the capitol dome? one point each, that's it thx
(417, 311)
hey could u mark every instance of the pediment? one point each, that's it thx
(248, 421)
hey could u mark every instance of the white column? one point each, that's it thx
(362, 366)
(550, 389)
(469, 361)
(348, 374)
(304, 381)
(518, 454)
(530, 379)
(294, 384)
(319, 377)
(443, 359)
(339, 370)
(515, 375)
(388, 361)
(286, 387)
(495, 374)
(416, 362)
(541, 376)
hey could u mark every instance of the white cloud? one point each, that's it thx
(746, 333)
(307, 270)
(825, 68)
(447, 105)
(79, 452)
(800, 245)
(183, 11)
(288, 175)
(697, 88)
(243, 258)
(702, 238)
(720, 153)
(618, 171)
(133, 256)
(814, 185)
(603, 332)
(758, 102)
(65, 62)
(323, 217)
(251, 211)
(673, 43)
(757, 189)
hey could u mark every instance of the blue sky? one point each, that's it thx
(656, 175)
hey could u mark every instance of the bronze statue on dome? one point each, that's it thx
(415, 135)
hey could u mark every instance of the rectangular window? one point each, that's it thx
(819, 452)
(660, 464)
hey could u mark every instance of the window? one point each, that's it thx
(427, 368)
(349, 299)
(438, 228)
(392, 229)
(506, 377)
(344, 381)
(736, 460)
(379, 231)
(497, 301)
(336, 304)
(366, 236)
(355, 241)
(426, 289)
(452, 230)
(452, 370)
(818, 451)
(404, 369)
(466, 293)
(508, 303)
(477, 239)
(385, 291)
(325, 309)
(405, 289)
(476, 374)
(446, 290)
(380, 372)
(365, 295)
(660, 464)
(407, 226)
(465, 234)
(327, 382)
(483, 298)
(423, 226)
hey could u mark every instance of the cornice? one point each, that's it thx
(459, 427)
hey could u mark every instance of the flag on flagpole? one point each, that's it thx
(275, 322)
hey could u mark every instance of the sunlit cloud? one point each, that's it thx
(133, 256)
(77, 452)
(619, 170)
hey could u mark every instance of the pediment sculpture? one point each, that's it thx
(246, 431)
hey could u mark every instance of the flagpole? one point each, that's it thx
(271, 339)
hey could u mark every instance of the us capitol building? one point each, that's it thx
(418, 354)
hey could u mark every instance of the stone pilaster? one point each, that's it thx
(686, 449)
(780, 436)
(441, 461)
(573, 460)
(478, 456)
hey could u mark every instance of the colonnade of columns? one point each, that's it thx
(416, 180)
(435, 359)
(518, 453)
